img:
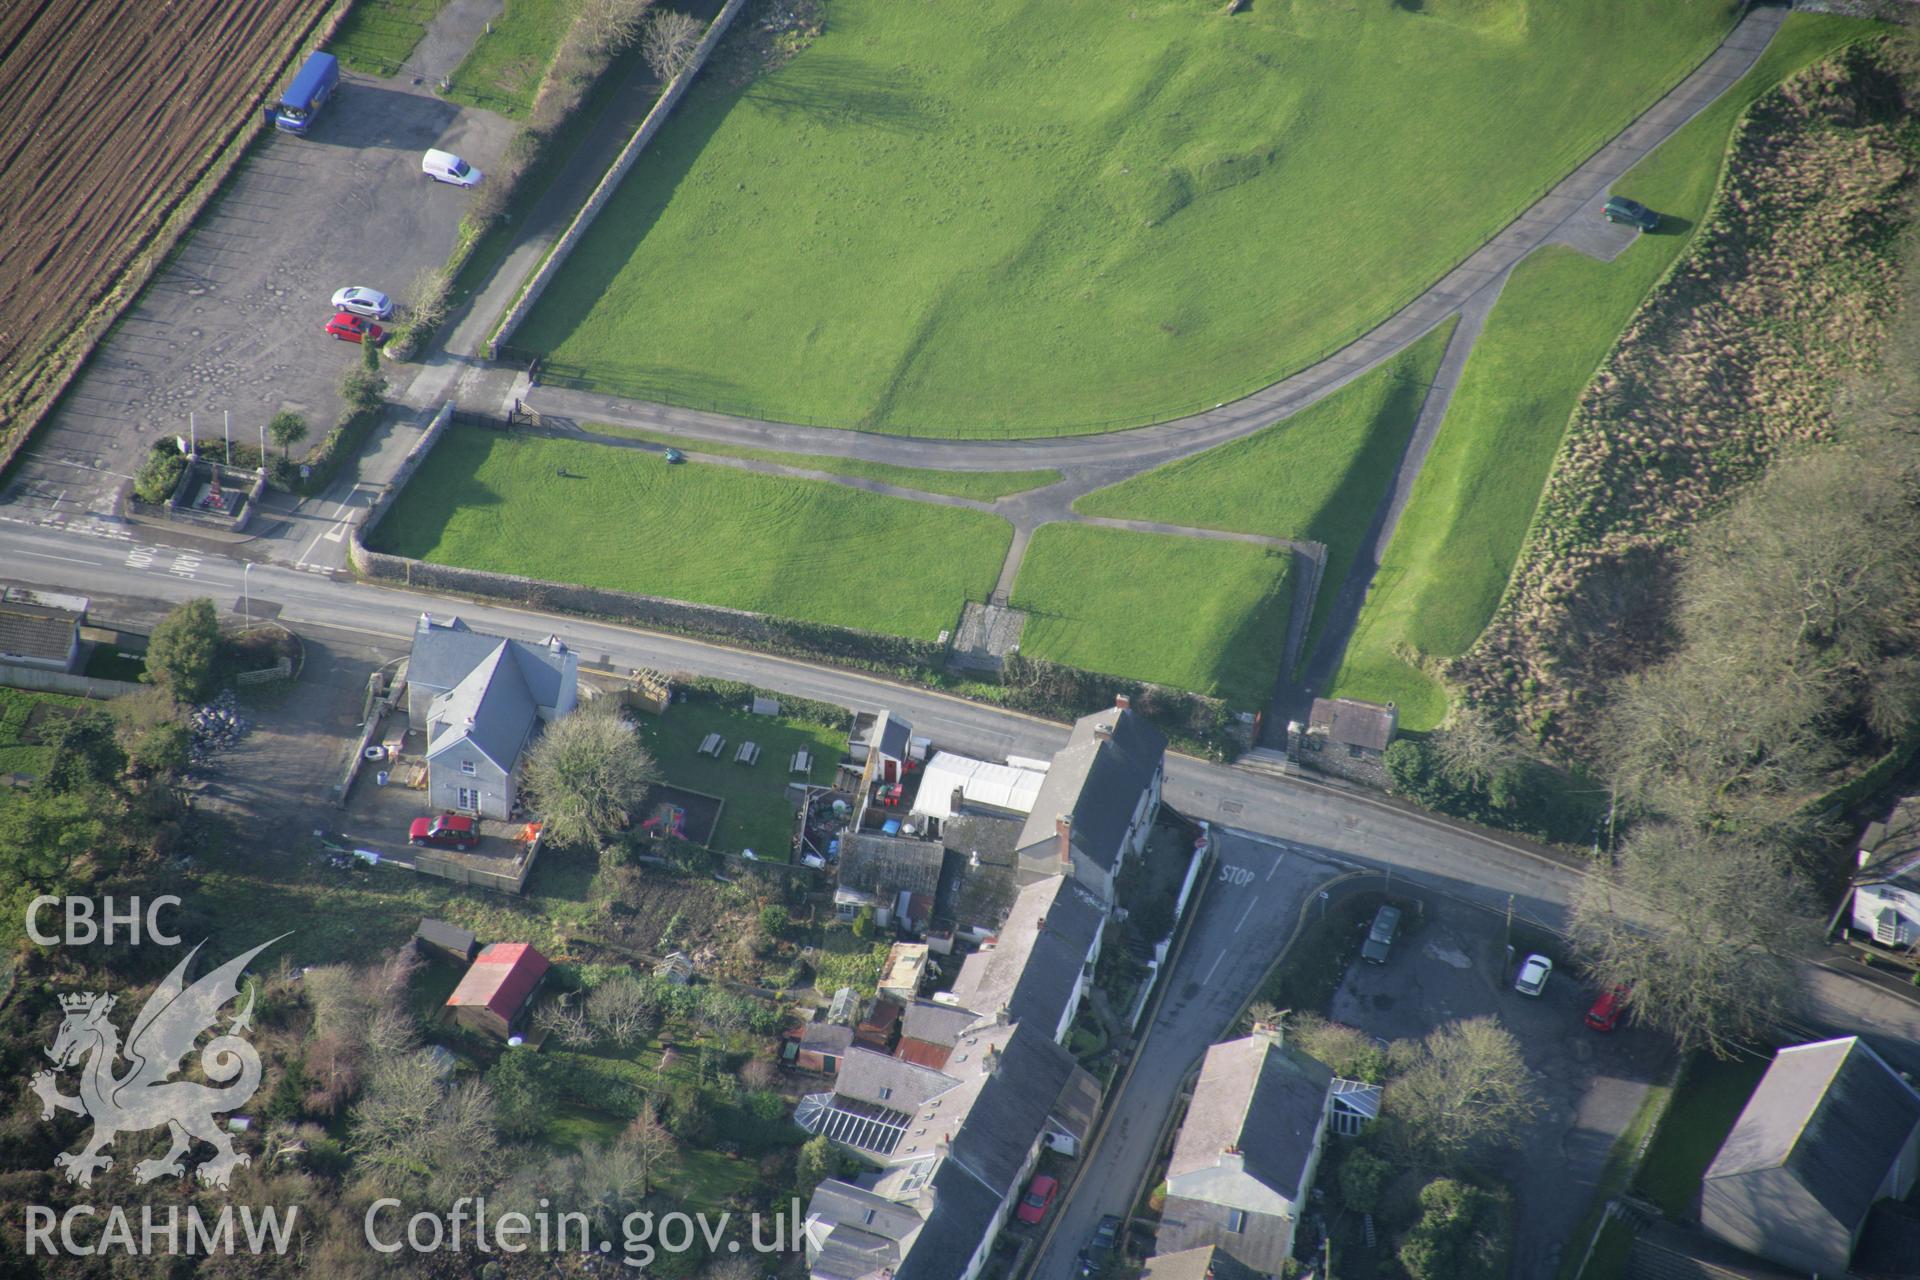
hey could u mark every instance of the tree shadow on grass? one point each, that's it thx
(842, 91)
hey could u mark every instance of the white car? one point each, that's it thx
(371, 303)
(1534, 971)
(444, 166)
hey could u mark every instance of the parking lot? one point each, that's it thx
(233, 323)
(1452, 965)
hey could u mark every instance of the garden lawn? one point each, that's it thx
(17, 754)
(1194, 613)
(503, 69)
(377, 36)
(758, 815)
(1015, 218)
(575, 511)
(1319, 476)
(1706, 1102)
(1559, 315)
(982, 485)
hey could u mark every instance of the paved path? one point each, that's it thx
(1568, 214)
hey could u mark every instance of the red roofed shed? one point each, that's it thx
(498, 988)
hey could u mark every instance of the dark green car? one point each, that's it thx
(1631, 212)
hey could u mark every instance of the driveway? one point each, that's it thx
(232, 324)
(1452, 965)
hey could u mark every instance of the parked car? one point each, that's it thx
(444, 166)
(1099, 1249)
(1631, 212)
(371, 303)
(674, 455)
(1033, 1206)
(447, 831)
(349, 327)
(1534, 971)
(1386, 921)
(1606, 1011)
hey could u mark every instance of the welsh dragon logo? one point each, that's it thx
(143, 1097)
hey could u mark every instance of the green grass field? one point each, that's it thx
(377, 36)
(505, 66)
(1318, 476)
(17, 754)
(574, 511)
(1194, 613)
(1559, 315)
(982, 485)
(1024, 218)
(758, 815)
(1706, 1102)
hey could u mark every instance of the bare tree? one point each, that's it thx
(669, 42)
(1465, 1087)
(655, 1152)
(612, 25)
(464, 1143)
(1349, 1051)
(1472, 750)
(757, 1073)
(392, 1130)
(565, 1022)
(1702, 929)
(587, 773)
(622, 1009)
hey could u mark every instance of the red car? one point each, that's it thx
(349, 327)
(1033, 1205)
(448, 831)
(1606, 1011)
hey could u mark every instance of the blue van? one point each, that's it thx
(319, 77)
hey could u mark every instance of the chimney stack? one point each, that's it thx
(1122, 701)
(1274, 1032)
(958, 799)
(1063, 828)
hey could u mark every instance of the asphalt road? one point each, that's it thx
(1245, 917)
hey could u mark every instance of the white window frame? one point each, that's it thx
(469, 768)
(469, 798)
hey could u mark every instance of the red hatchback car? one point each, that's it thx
(349, 327)
(1606, 1011)
(448, 831)
(1033, 1205)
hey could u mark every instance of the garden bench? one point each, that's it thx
(712, 745)
(802, 762)
(749, 753)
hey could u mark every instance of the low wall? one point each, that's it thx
(433, 864)
(16, 676)
(544, 273)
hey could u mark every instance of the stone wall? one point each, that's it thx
(543, 275)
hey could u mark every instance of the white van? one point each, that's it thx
(444, 166)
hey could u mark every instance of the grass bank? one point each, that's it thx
(503, 69)
(1318, 476)
(982, 485)
(377, 36)
(1194, 613)
(1023, 219)
(574, 511)
(1557, 318)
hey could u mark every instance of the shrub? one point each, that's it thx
(363, 389)
(181, 651)
(774, 920)
(1362, 1178)
(159, 474)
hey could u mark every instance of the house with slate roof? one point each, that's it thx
(1039, 965)
(41, 628)
(481, 699)
(1831, 1130)
(1247, 1151)
(1098, 801)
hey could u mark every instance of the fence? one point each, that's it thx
(610, 181)
(19, 676)
(434, 864)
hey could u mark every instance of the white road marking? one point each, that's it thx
(1247, 912)
(1210, 972)
(48, 555)
(1238, 877)
(1276, 864)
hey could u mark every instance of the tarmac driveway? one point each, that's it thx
(1452, 965)
(232, 324)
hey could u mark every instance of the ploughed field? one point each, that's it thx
(109, 112)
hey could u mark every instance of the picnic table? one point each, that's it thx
(712, 745)
(749, 753)
(802, 762)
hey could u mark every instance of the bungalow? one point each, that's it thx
(1247, 1152)
(1098, 802)
(1360, 729)
(1830, 1130)
(1886, 888)
(41, 628)
(497, 990)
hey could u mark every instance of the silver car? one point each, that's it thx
(1534, 971)
(371, 303)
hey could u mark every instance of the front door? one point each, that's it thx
(469, 799)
